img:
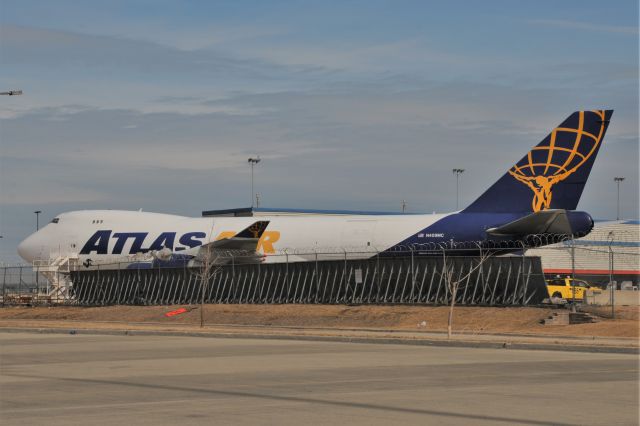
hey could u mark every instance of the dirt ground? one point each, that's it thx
(406, 318)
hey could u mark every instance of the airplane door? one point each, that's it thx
(73, 243)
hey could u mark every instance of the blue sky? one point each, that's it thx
(351, 104)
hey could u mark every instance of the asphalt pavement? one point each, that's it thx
(65, 379)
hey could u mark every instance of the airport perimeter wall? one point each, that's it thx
(494, 281)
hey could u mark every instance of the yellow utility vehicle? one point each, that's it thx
(568, 288)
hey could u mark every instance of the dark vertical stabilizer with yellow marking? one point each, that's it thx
(553, 174)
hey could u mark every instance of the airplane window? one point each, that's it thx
(55, 220)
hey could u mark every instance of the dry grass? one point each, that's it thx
(408, 318)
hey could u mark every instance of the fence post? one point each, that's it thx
(573, 271)
(613, 288)
(232, 287)
(286, 277)
(317, 278)
(482, 278)
(204, 277)
(99, 285)
(413, 276)
(344, 274)
(184, 276)
(67, 288)
(4, 280)
(524, 294)
(378, 272)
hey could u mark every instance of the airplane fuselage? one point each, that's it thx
(112, 236)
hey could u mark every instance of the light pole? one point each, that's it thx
(618, 180)
(457, 172)
(37, 212)
(12, 93)
(253, 162)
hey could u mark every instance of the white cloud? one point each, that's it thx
(320, 148)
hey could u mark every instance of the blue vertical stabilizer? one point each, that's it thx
(553, 174)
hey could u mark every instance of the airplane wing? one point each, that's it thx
(543, 222)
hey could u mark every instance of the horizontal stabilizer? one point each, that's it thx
(542, 222)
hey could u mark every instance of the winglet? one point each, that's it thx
(254, 231)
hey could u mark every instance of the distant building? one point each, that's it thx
(262, 211)
(592, 260)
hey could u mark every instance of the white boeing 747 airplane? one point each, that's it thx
(538, 195)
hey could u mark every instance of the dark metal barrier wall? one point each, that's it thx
(513, 280)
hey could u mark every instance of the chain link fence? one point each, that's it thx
(609, 257)
(22, 285)
(320, 277)
(406, 275)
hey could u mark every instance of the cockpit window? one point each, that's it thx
(55, 220)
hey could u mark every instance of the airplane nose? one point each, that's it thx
(22, 250)
(28, 249)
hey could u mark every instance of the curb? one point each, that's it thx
(342, 339)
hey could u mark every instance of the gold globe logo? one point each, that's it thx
(567, 150)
